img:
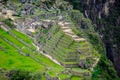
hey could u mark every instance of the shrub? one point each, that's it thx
(23, 75)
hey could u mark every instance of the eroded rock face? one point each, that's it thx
(109, 10)
(94, 9)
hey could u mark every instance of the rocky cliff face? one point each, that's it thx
(105, 14)
(94, 9)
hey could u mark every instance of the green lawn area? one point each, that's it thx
(76, 78)
(22, 36)
(64, 76)
(12, 59)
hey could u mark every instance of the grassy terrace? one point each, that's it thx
(38, 62)
(58, 47)
(53, 41)
(12, 59)
(65, 50)
(22, 36)
(76, 78)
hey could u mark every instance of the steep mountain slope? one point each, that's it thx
(57, 38)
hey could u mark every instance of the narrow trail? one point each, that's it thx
(3, 26)
(97, 60)
(48, 56)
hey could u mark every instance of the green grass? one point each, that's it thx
(76, 78)
(64, 76)
(54, 71)
(7, 36)
(58, 55)
(21, 40)
(22, 36)
(61, 52)
(80, 70)
(11, 59)
(62, 46)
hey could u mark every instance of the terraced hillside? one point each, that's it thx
(50, 40)
(22, 55)
(69, 49)
(75, 54)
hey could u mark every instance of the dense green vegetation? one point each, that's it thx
(8, 22)
(11, 59)
(104, 70)
(19, 75)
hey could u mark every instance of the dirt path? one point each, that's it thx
(97, 60)
(48, 56)
(3, 26)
